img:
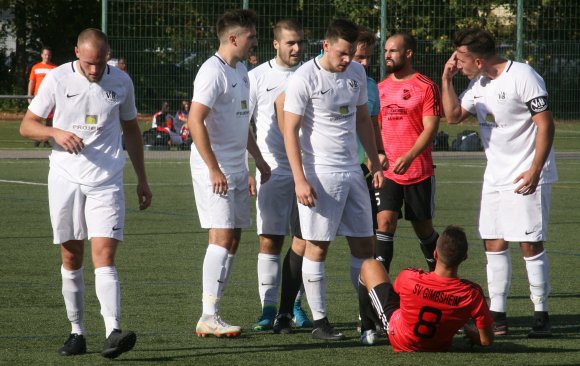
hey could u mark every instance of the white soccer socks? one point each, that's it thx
(315, 287)
(109, 295)
(214, 277)
(538, 277)
(499, 275)
(228, 273)
(355, 265)
(268, 278)
(73, 291)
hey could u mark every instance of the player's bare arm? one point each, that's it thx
(32, 127)
(279, 109)
(366, 135)
(480, 337)
(261, 165)
(528, 180)
(425, 139)
(200, 137)
(454, 113)
(134, 145)
(305, 194)
(31, 86)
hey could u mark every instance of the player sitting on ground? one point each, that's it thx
(422, 311)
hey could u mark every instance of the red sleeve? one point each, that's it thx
(432, 105)
(480, 312)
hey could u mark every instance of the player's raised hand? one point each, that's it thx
(68, 141)
(450, 68)
(218, 181)
(305, 194)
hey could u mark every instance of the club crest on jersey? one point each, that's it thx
(352, 84)
(501, 97)
(539, 104)
(406, 94)
(111, 97)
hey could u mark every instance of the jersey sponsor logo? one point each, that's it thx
(234, 85)
(91, 119)
(528, 232)
(324, 92)
(71, 95)
(537, 105)
(270, 89)
(116, 228)
(111, 97)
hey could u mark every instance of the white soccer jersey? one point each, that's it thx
(92, 111)
(507, 130)
(328, 103)
(267, 82)
(225, 90)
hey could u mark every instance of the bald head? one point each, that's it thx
(91, 50)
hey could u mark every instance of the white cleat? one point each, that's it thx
(214, 325)
(369, 337)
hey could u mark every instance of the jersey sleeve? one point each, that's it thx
(44, 102)
(530, 85)
(208, 86)
(363, 96)
(480, 312)
(466, 98)
(253, 93)
(128, 109)
(432, 105)
(297, 96)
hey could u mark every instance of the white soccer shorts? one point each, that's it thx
(276, 209)
(515, 217)
(222, 211)
(78, 211)
(342, 207)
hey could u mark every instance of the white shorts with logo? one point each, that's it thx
(222, 211)
(515, 217)
(342, 207)
(276, 209)
(78, 212)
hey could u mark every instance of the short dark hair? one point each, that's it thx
(409, 42)
(478, 42)
(47, 48)
(366, 38)
(342, 29)
(93, 35)
(244, 18)
(452, 246)
(287, 24)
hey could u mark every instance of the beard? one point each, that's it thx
(394, 68)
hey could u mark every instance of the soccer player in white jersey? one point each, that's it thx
(511, 104)
(219, 122)
(85, 182)
(324, 111)
(276, 202)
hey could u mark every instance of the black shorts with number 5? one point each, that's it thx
(419, 199)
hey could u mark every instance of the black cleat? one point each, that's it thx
(283, 324)
(500, 325)
(118, 342)
(74, 345)
(542, 327)
(323, 330)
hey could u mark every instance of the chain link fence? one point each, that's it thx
(165, 42)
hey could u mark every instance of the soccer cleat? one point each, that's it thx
(214, 325)
(500, 325)
(74, 345)
(300, 318)
(542, 327)
(283, 324)
(369, 337)
(323, 330)
(118, 342)
(266, 321)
